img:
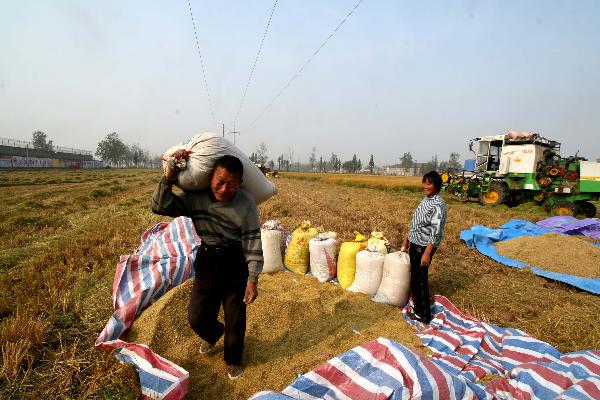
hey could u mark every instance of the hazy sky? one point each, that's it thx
(421, 76)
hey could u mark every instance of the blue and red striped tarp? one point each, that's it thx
(164, 259)
(465, 350)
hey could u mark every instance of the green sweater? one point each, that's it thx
(231, 223)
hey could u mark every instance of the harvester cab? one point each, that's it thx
(523, 166)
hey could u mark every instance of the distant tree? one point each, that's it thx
(347, 166)
(321, 166)
(39, 141)
(271, 164)
(290, 157)
(156, 162)
(261, 153)
(354, 164)
(333, 162)
(430, 166)
(136, 155)
(313, 158)
(112, 150)
(454, 162)
(406, 161)
(371, 164)
(359, 165)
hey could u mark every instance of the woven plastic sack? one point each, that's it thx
(271, 247)
(297, 252)
(395, 281)
(378, 242)
(346, 266)
(202, 152)
(273, 234)
(323, 252)
(369, 270)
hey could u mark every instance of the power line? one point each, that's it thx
(254, 65)
(337, 28)
(212, 113)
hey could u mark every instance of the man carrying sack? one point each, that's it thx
(230, 257)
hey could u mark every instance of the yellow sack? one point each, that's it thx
(297, 253)
(378, 243)
(346, 267)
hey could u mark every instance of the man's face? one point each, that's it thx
(224, 184)
(429, 188)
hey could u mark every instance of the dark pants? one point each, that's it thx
(419, 282)
(221, 278)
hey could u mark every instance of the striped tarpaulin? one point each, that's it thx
(465, 350)
(164, 259)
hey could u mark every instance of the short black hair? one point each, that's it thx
(435, 178)
(230, 163)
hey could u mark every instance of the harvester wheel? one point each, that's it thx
(564, 208)
(587, 209)
(495, 196)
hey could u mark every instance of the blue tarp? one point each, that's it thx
(483, 239)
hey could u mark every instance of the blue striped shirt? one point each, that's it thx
(428, 221)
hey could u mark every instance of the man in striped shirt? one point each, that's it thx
(230, 257)
(424, 237)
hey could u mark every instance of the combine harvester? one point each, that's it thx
(523, 166)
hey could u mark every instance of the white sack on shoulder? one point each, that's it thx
(204, 149)
(369, 269)
(323, 254)
(395, 282)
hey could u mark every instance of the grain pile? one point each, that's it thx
(554, 252)
(295, 325)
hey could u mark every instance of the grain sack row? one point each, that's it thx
(362, 266)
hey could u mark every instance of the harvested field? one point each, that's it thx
(394, 183)
(554, 252)
(64, 231)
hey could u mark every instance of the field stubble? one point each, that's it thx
(64, 231)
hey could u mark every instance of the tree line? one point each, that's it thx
(333, 163)
(114, 152)
(111, 150)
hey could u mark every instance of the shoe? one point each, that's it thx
(415, 317)
(234, 371)
(205, 347)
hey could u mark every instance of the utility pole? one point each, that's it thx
(234, 133)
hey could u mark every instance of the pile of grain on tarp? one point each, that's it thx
(554, 252)
(295, 325)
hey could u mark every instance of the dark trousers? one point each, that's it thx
(221, 278)
(419, 281)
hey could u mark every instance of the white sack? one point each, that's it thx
(323, 253)
(395, 282)
(204, 150)
(271, 247)
(369, 269)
